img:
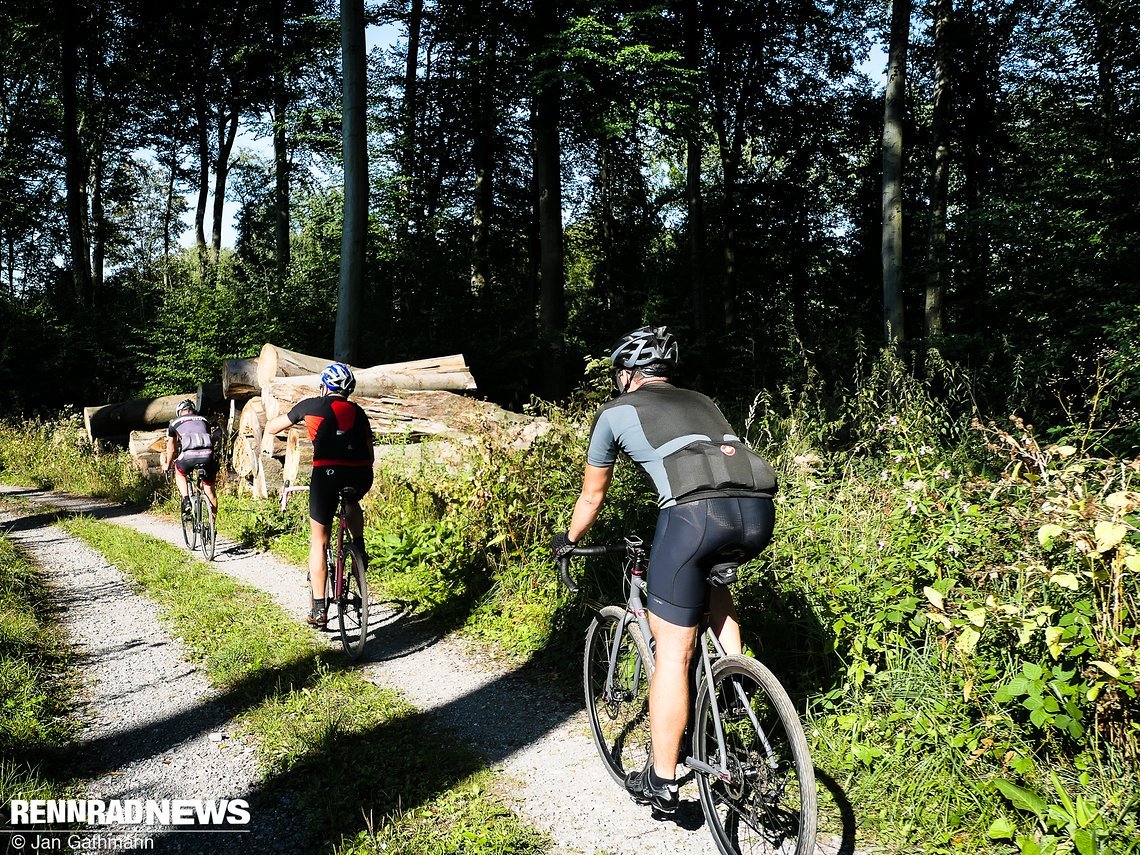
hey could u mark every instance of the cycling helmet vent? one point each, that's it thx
(338, 379)
(184, 407)
(644, 347)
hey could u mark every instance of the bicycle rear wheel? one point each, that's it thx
(619, 711)
(769, 803)
(352, 607)
(209, 533)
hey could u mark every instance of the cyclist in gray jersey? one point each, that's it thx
(189, 445)
(715, 495)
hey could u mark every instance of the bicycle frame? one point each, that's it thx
(334, 558)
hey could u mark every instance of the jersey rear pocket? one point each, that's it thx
(704, 465)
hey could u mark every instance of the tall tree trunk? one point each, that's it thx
(355, 142)
(409, 116)
(892, 172)
(939, 174)
(75, 162)
(694, 151)
(483, 149)
(168, 214)
(604, 276)
(280, 145)
(203, 172)
(227, 132)
(98, 225)
(548, 173)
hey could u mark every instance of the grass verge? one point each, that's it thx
(360, 762)
(36, 686)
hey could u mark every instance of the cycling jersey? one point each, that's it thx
(342, 451)
(339, 430)
(192, 432)
(683, 442)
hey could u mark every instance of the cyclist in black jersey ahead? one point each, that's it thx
(715, 495)
(342, 457)
(189, 445)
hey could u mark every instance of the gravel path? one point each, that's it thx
(533, 736)
(153, 728)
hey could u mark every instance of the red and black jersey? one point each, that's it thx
(339, 430)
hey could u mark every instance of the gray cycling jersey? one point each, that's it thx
(683, 443)
(193, 434)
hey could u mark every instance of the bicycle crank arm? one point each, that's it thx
(705, 769)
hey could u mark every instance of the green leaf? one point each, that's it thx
(1048, 533)
(1021, 798)
(1053, 636)
(1107, 667)
(1108, 535)
(1001, 829)
(977, 616)
(1032, 671)
(968, 640)
(1065, 580)
(935, 597)
(1085, 841)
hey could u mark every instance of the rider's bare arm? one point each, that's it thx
(279, 423)
(595, 483)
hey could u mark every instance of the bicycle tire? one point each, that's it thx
(189, 534)
(209, 535)
(352, 607)
(619, 719)
(761, 809)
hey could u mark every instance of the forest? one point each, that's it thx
(542, 177)
(897, 242)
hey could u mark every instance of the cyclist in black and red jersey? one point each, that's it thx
(715, 496)
(342, 457)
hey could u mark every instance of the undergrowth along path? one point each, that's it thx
(534, 736)
(153, 728)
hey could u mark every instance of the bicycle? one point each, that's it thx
(196, 529)
(346, 584)
(749, 755)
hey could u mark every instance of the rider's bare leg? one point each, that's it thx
(318, 544)
(722, 619)
(669, 693)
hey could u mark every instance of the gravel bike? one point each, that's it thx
(346, 583)
(199, 523)
(749, 755)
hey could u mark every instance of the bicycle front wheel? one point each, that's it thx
(352, 606)
(209, 531)
(768, 803)
(618, 707)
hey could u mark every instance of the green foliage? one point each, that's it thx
(56, 455)
(36, 688)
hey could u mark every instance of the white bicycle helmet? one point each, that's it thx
(338, 379)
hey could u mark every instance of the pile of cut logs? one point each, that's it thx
(412, 400)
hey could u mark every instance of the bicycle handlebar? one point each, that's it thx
(604, 549)
(286, 490)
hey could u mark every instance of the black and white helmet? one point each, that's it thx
(645, 347)
(186, 406)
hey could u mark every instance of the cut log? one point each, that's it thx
(448, 373)
(146, 441)
(298, 456)
(278, 362)
(268, 480)
(239, 379)
(420, 414)
(247, 442)
(209, 398)
(126, 416)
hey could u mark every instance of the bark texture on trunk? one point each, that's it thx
(939, 174)
(892, 244)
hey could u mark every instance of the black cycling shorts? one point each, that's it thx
(693, 537)
(326, 484)
(209, 468)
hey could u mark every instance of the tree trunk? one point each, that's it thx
(239, 378)
(892, 172)
(75, 162)
(409, 115)
(280, 145)
(694, 152)
(227, 132)
(483, 150)
(203, 173)
(549, 178)
(125, 416)
(98, 226)
(298, 456)
(939, 174)
(445, 372)
(355, 142)
(209, 398)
